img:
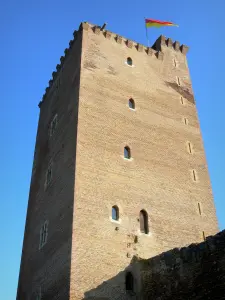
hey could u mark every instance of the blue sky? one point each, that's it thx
(34, 35)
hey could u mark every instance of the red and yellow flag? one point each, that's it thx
(155, 23)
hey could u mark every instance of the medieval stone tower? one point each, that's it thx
(119, 168)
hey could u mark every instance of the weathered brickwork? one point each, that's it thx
(49, 267)
(90, 93)
(194, 272)
(157, 179)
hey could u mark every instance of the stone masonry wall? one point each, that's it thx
(196, 272)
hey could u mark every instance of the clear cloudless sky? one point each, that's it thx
(33, 36)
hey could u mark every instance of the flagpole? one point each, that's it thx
(146, 32)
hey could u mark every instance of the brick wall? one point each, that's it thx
(90, 93)
(49, 267)
(194, 272)
(158, 178)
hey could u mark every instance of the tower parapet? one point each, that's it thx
(162, 41)
(156, 50)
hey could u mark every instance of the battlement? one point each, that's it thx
(156, 50)
(167, 42)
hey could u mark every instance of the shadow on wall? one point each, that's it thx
(193, 272)
(46, 273)
(184, 92)
(125, 285)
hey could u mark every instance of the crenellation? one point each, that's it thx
(66, 51)
(184, 49)
(169, 42)
(71, 43)
(54, 74)
(150, 51)
(83, 26)
(140, 47)
(161, 41)
(58, 67)
(160, 55)
(108, 34)
(97, 29)
(129, 43)
(176, 45)
(155, 49)
(119, 39)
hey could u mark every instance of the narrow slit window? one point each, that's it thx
(129, 61)
(199, 209)
(127, 152)
(178, 81)
(48, 176)
(174, 62)
(131, 103)
(189, 148)
(115, 213)
(53, 125)
(43, 234)
(194, 175)
(144, 222)
(185, 121)
(182, 100)
(203, 235)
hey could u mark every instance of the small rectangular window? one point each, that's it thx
(43, 234)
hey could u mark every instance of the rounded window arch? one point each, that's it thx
(115, 213)
(131, 103)
(129, 282)
(127, 152)
(144, 222)
(129, 61)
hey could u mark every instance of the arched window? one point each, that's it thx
(127, 153)
(131, 103)
(115, 213)
(144, 222)
(129, 61)
(129, 282)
